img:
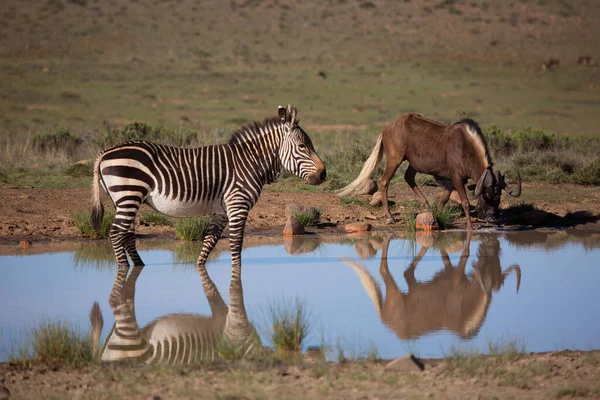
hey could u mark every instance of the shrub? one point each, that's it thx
(141, 131)
(155, 218)
(191, 228)
(54, 342)
(310, 217)
(289, 325)
(83, 222)
(62, 140)
(589, 175)
(80, 170)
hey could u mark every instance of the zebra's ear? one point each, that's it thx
(293, 114)
(281, 111)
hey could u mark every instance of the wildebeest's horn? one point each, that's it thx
(517, 269)
(517, 192)
(480, 182)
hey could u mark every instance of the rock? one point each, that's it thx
(408, 363)
(426, 222)
(377, 199)
(369, 187)
(24, 244)
(293, 227)
(370, 216)
(299, 244)
(535, 217)
(426, 239)
(590, 226)
(580, 216)
(358, 227)
(364, 249)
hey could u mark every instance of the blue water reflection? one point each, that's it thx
(555, 308)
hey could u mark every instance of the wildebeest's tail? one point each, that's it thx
(367, 169)
(97, 206)
(97, 323)
(369, 284)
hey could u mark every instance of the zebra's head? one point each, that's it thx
(297, 154)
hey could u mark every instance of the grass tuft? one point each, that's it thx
(310, 217)
(191, 228)
(83, 221)
(446, 216)
(289, 326)
(155, 219)
(53, 342)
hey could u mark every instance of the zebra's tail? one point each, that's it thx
(97, 324)
(97, 206)
(367, 169)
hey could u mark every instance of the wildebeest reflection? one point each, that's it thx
(452, 300)
(173, 338)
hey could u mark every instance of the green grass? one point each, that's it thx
(191, 228)
(53, 342)
(446, 216)
(311, 217)
(83, 222)
(288, 325)
(155, 219)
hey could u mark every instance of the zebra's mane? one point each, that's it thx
(254, 130)
(475, 130)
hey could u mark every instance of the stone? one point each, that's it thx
(535, 217)
(295, 244)
(24, 244)
(426, 221)
(293, 227)
(358, 227)
(426, 238)
(377, 199)
(369, 187)
(370, 216)
(408, 363)
(364, 249)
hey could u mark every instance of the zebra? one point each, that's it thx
(223, 181)
(173, 338)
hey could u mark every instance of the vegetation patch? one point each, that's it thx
(83, 222)
(310, 217)
(155, 219)
(289, 325)
(191, 228)
(53, 342)
(446, 216)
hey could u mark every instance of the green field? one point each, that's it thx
(90, 67)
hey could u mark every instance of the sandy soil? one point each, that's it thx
(42, 215)
(540, 376)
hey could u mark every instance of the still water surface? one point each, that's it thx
(427, 296)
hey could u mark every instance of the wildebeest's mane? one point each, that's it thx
(474, 127)
(254, 129)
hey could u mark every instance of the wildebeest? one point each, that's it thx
(452, 154)
(452, 300)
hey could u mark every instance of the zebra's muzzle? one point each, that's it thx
(317, 178)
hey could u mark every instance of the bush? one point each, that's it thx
(289, 325)
(589, 175)
(80, 170)
(62, 140)
(310, 217)
(191, 228)
(114, 135)
(54, 342)
(446, 216)
(83, 221)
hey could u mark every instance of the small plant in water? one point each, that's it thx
(191, 228)
(310, 217)
(83, 222)
(53, 342)
(289, 325)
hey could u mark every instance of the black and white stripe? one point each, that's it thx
(224, 181)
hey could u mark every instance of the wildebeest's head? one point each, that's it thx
(488, 191)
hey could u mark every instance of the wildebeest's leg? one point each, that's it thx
(393, 296)
(444, 197)
(459, 185)
(409, 274)
(462, 263)
(392, 165)
(409, 177)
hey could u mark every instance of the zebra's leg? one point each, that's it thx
(217, 305)
(122, 233)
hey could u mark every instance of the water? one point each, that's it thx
(355, 302)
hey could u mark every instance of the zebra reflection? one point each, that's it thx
(173, 338)
(452, 300)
